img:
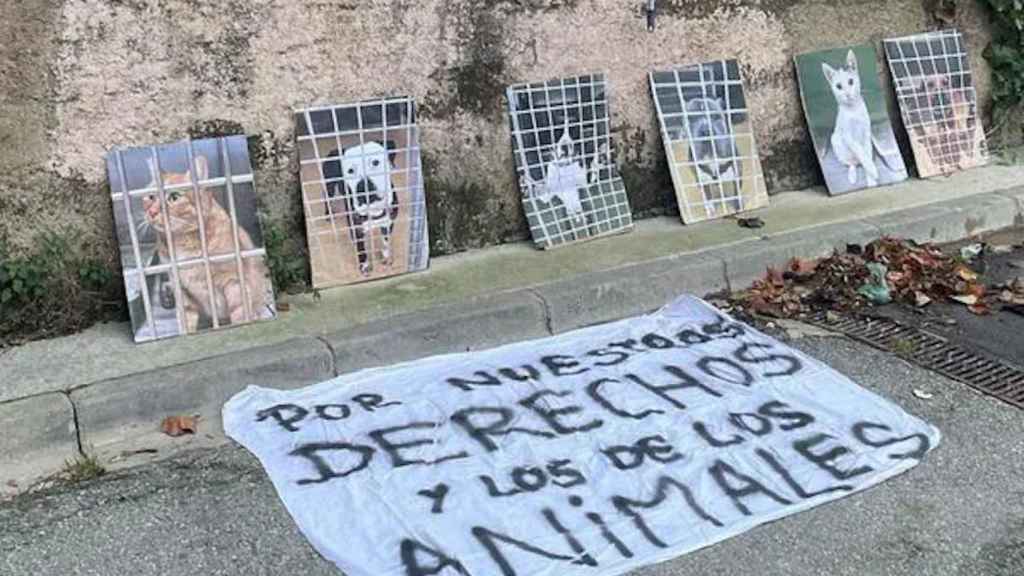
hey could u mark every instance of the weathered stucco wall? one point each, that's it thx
(79, 77)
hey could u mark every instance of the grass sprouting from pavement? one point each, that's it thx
(82, 469)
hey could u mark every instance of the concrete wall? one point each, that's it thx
(79, 77)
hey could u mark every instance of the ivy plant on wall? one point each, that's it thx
(1006, 56)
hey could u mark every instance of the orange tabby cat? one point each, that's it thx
(229, 295)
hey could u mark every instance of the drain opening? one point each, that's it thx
(987, 375)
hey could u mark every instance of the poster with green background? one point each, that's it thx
(848, 118)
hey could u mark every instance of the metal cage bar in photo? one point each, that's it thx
(561, 140)
(147, 188)
(362, 185)
(703, 117)
(937, 100)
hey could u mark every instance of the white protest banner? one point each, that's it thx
(590, 453)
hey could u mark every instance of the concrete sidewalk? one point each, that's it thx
(99, 393)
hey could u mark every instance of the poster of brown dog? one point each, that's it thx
(938, 102)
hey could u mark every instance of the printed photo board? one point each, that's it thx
(191, 245)
(848, 119)
(709, 140)
(561, 140)
(937, 101)
(362, 188)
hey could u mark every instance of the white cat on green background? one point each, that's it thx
(853, 141)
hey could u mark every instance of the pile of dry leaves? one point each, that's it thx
(887, 270)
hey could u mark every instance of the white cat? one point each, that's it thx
(853, 142)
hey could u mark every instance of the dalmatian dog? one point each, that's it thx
(359, 186)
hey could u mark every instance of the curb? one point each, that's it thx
(599, 297)
(99, 417)
(747, 262)
(477, 324)
(39, 434)
(132, 406)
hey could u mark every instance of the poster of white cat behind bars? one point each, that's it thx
(848, 118)
(709, 140)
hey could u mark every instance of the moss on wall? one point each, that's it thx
(791, 164)
(467, 213)
(646, 176)
(476, 80)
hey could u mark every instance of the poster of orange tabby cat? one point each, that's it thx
(362, 189)
(191, 245)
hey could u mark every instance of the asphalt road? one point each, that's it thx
(961, 512)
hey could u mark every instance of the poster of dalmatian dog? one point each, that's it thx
(709, 140)
(571, 188)
(362, 190)
(935, 89)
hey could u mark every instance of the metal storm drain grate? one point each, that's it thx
(989, 376)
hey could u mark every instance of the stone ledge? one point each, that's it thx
(121, 391)
(1017, 195)
(38, 434)
(951, 220)
(476, 324)
(115, 410)
(106, 351)
(748, 262)
(609, 295)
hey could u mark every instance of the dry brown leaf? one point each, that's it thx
(762, 307)
(921, 299)
(966, 273)
(976, 290)
(969, 300)
(981, 309)
(175, 426)
(803, 268)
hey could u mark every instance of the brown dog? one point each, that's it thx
(940, 118)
